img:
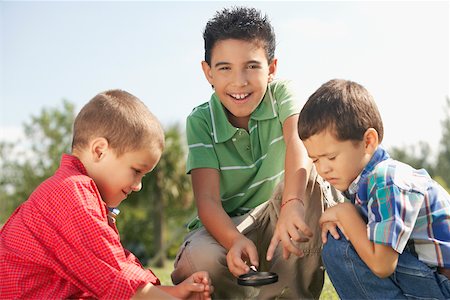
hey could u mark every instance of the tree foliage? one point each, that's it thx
(421, 156)
(30, 161)
(443, 159)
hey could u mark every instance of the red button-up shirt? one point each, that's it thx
(59, 244)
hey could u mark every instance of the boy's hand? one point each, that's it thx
(242, 249)
(329, 222)
(290, 229)
(196, 286)
(330, 227)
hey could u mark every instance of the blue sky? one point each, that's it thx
(51, 51)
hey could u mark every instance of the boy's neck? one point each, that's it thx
(239, 122)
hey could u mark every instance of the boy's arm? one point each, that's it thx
(150, 291)
(205, 183)
(381, 259)
(197, 286)
(291, 227)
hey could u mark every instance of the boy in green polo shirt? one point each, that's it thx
(242, 144)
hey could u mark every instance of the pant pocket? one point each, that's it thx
(180, 252)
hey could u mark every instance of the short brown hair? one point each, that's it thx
(344, 107)
(121, 118)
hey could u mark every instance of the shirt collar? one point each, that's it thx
(379, 155)
(223, 130)
(68, 160)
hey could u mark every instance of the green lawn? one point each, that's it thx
(163, 274)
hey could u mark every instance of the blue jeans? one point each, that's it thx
(352, 279)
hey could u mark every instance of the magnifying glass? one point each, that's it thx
(255, 278)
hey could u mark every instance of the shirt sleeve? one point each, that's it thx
(288, 103)
(392, 214)
(88, 251)
(201, 153)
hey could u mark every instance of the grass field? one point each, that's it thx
(328, 292)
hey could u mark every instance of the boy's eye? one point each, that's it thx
(253, 66)
(315, 161)
(224, 68)
(137, 171)
(332, 158)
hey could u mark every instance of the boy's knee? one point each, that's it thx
(334, 250)
(209, 259)
(194, 257)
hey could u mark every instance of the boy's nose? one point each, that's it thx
(323, 168)
(240, 79)
(137, 186)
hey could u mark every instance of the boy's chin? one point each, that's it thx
(341, 188)
(113, 202)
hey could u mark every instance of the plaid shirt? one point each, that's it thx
(59, 244)
(404, 206)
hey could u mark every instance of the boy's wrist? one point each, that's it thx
(291, 200)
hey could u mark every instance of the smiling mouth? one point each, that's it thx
(240, 96)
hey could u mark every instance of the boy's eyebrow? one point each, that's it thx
(321, 155)
(254, 62)
(142, 166)
(222, 63)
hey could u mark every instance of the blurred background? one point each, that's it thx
(55, 56)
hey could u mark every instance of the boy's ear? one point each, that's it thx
(98, 149)
(371, 140)
(272, 69)
(207, 71)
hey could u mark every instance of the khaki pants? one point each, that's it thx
(298, 278)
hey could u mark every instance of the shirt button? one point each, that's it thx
(248, 147)
(234, 139)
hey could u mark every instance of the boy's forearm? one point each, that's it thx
(297, 162)
(354, 226)
(150, 291)
(381, 259)
(297, 171)
(205, 183)
(218, 223)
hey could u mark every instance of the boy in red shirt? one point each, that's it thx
(62, 242)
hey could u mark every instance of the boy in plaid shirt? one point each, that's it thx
(392, 239)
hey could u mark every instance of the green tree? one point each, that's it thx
(420, 155)
(28, 162)
(443, 159)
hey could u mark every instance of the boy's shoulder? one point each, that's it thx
(280, 86)
(402, 175)
(201, 110)
(65, 186)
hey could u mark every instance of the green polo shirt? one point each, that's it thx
(250, 163)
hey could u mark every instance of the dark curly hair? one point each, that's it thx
(241, 23)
